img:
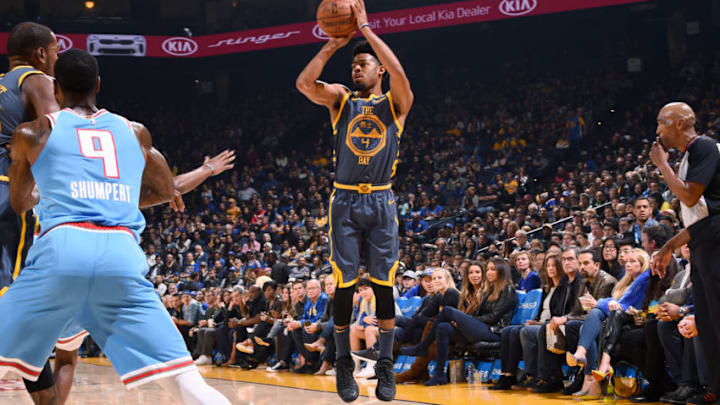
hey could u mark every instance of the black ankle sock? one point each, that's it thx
(387, 336)
(342, 342)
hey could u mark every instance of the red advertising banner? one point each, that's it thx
(411, 19)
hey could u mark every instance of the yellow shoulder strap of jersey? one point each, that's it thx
(339, 113)
(26, 74)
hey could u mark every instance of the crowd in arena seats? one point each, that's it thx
(498, 201)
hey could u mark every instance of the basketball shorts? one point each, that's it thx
(363, 228)
(72, 337)
(16, 232)
(89, 277)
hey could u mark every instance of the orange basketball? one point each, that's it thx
(336, 18)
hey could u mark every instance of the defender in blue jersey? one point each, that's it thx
(367, 125)
(93, 169)
(26, 92)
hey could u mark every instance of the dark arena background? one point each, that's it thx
(530, 134)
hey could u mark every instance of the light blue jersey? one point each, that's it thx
(86, 270)
(90, 170)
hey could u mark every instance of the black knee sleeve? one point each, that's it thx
(45, 380)
(343, 306)
(385, 301)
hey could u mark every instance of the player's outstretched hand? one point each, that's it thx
(177, 204)
(222, 162)
(358, 8)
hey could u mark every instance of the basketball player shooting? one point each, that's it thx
(367, 125)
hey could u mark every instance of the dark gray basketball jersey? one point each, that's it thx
(12, 107)
(367, 140)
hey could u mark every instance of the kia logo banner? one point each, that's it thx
(319, 33)
(179, 46)
(411, 19)
(517, 7)
(64, 43)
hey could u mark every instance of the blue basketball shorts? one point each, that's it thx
(81, 276)
(363, 228)
(72, 337)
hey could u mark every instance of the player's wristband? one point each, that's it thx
(209, 166)
(367, 24)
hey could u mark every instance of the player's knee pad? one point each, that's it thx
(343, 306)
(385, 301)
(45, 380)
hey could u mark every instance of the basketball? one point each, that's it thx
(336, 18)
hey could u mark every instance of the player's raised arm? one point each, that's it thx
(402, 94)
(316, 90)
(22, 182)
(157, 181)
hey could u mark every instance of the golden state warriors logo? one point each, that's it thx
(366, 135)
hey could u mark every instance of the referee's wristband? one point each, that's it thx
(367, 24)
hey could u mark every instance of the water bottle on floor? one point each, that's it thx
(471, 374)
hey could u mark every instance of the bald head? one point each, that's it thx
(676, 125)
(676, 112)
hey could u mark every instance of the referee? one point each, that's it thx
(697, 185)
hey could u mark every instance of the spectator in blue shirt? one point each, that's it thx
(417, 225)
(409, 281)
(306, 329)
(190, 265)
(529, 279)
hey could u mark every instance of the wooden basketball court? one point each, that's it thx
(97, 383)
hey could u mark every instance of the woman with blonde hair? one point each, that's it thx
(443, 295)
(629, 292)
(446, 296)
(620, 321)
(477, 322)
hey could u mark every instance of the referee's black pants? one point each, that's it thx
(705, 276)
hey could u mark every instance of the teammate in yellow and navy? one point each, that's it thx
(367, 127)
